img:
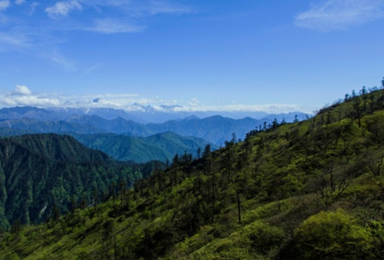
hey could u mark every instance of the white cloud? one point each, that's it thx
(33, 7)
(109, 26)
(194, 102)
(19, 2)
(30, 101)
(22, 96)
(4, 4)
(340, 14)
(21, 91)
(62, 8)
(268, 108)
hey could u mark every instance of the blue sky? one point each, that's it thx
(269, 55)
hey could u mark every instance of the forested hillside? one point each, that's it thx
(306, 190)
(42, 173)
(161, 147)
(158, 147)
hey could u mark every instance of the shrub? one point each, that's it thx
(331, 235)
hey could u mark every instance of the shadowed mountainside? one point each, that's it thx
(40, 172)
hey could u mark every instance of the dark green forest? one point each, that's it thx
(305, 190)
(42, 173)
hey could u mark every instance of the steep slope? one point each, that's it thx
(38, 172)
(308, 190)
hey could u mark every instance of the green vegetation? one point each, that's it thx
(43, 173)
(307, 190)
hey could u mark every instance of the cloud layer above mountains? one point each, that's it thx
(23, 96)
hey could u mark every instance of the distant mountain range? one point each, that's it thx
(136, 113)
(214, 129)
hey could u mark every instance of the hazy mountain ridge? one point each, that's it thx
(136, 113)
(46, 126)
(215, 129)
(163, 146)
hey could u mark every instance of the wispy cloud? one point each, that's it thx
(340, 14)
(32, 7)
(62, 8)
(56, 57)
(161, 7)
(35, 45)
(130, 13)
(92, 68)
(4, 4)
(139, 7)
(14, 41)
(19, 2)
(50, 22)
(110, 26)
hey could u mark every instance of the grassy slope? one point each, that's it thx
(309, 190)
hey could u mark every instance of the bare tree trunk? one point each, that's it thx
(238, 204)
